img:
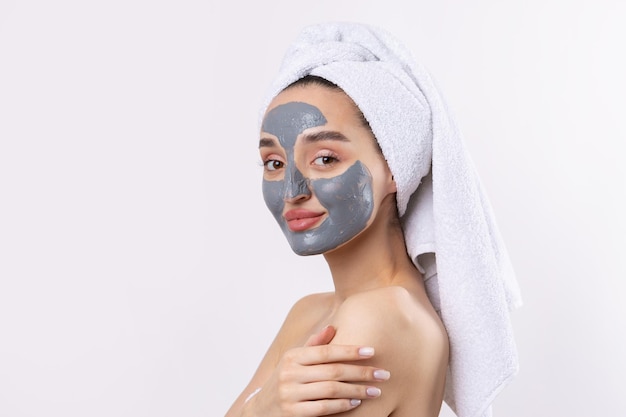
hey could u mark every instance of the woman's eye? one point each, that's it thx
(273, 165)
(324, 160)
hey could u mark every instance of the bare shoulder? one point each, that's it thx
(410, 341)
(308, 309)
(311, 301)
(303, 317)
(394, 311)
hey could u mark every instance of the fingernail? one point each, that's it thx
(373, 392)
(366, 351)
(382, 374)
(354, 403)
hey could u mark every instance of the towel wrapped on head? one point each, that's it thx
(449, 227)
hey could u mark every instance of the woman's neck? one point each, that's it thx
(377, 258)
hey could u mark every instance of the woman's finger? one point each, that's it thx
(341, 372)
(311, 355)
(323, 337)
(335, 390)
(325, 407)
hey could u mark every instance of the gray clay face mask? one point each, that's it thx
(347, 198)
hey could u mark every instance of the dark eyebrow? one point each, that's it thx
(309, 138)
(324, 135)
(267, 143)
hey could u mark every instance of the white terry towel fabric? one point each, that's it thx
(450, 230)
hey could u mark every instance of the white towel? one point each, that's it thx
(449, 227)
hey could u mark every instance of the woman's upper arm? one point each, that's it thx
(260, 376)
(409, 343)
(283, 339)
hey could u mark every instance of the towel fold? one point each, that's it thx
(450, 229)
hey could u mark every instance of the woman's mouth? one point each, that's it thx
(300, 220)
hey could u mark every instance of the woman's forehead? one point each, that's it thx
(331, 102)
(287, 121)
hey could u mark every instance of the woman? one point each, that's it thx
(352, 128)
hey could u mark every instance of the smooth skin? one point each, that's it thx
(375, 346)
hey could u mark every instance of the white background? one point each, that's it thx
(140, 272)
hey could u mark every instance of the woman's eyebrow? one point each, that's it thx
(267, 143)
(324, 135)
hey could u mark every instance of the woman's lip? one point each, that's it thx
(299, 220)
(301, 214)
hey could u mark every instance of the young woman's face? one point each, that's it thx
(324, 178)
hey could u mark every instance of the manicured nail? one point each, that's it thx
(366, 351)
(373, 392)
(354, 403)
(381, 374)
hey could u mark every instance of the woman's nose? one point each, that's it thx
(296, 186)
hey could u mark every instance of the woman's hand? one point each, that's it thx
(317, 379)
